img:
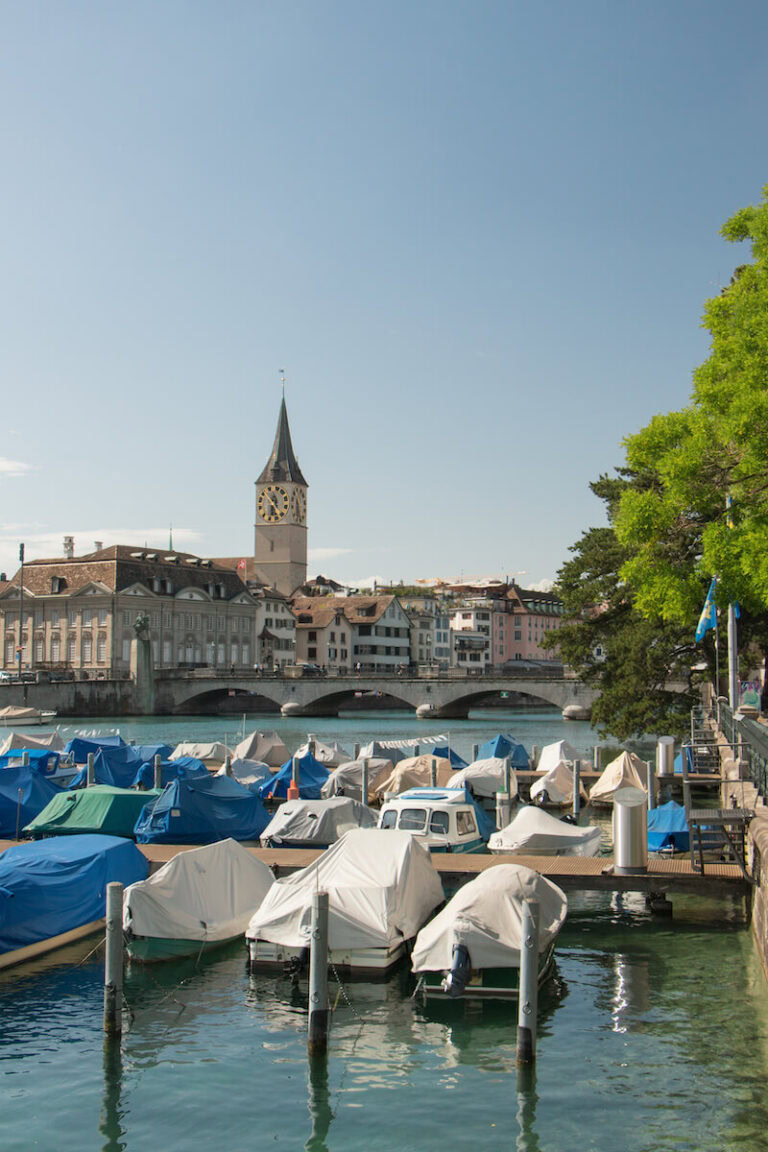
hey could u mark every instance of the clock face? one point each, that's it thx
(272, 503)
(299, 505)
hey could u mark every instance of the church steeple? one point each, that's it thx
(282, 465)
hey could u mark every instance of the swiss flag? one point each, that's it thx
(241, 564)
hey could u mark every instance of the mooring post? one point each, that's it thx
(576, 789)
(25, 758)
(90, 771)
(158, 777)
(433, 772)
(311, 744)
(686, 783)
(651, 779)
(113, 961)
(364, 781)
(293, 787)
(417, 749)
(20, 794)
(475, 750)
(356, 752)
(317, 1039)
(529, 983)
(596, 757)
(508, 781)
(534, 755)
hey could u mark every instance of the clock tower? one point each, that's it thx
(280, 544)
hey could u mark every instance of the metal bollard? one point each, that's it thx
(158, 775)
(317, 1039)
(651, 783)
(503, 809)
(90, 771)
(227, 765)
(113, 961)
(665, 756)
(433, 772)
(528, 1005)
(364, 780)
(475, 750)
(630, 831)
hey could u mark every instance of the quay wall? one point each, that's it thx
(758, 834)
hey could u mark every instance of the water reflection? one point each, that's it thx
(527, 1099)
(320, 1112)
(112, 1112)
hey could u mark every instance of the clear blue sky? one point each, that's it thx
(478, 237)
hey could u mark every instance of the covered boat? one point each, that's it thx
(347, 779)
(266, 747)
(24, 792)
(443, 819)
(386, 750)
(100, 808)
(554, 754)
(414, 772)
(536, 833)
(250, 773)
(212, 753)
(312, 776)
(199, 900)
(315, 823)
(78, 747)
(501, 746)
(447, 753)
(331, 755)
(134, 767)
(14, 714)
(472, 946)
(201, 810)
(485, 778)
(555, 788)
(54, 891)
(16, 741)
(668, 829)
(381, 888)
(41, 759)
(626, 771)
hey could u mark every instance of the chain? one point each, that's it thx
(343, 991)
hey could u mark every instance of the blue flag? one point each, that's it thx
(708, 618)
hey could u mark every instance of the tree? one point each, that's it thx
(629, 658)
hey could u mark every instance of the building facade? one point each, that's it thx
(342, 633)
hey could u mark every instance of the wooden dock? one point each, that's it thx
(571, 873)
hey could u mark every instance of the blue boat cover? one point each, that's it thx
(39, 758)
(128, 767)
(501, 746)
(668, 828)
(36, 792)
(312, 776)
(202, 810)
(448, 753)
(485, 825)
(48, 887)
(79, 747)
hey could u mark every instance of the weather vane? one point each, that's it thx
(282, 378)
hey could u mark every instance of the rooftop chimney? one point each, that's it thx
(69, 547)
(98, 545)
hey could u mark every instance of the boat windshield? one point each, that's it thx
(388, 818)
(439, 823)
(413, 819)
(465, 823)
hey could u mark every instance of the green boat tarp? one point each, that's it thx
(100, 808)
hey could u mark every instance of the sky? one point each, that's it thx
(477, 236)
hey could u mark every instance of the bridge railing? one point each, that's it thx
(450, 674)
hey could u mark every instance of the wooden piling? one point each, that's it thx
(90, 771)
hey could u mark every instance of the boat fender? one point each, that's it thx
(461, 968)
(570, 818)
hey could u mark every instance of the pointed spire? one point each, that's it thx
(282, 463)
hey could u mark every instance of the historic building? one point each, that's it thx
(342, 632)
(280, 538)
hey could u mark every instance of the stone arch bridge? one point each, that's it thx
(429, 697)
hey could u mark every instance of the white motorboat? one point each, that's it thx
(381, 888)
(16, 716)
(443, 819)
(472, 946)
(535, 833)
(486, 778)
(555, 788)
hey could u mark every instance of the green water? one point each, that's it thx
(651, 1037)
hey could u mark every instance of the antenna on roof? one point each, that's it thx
(170, 537)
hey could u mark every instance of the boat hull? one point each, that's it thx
(358, 961)
(487, 983)
(155, 949)
(41, 947)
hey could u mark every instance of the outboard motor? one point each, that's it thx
(569, 818)
(294, 967)
(461, 969)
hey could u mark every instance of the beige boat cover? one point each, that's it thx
(332, 755)
(204, 894)
(45, 741)
(321, 822)
(558, 784)
(626, 771)
(381, 888)
(348, 777)
(484, 777)
(264, 746)
(17, 712)
(486, 917)
(415, 772)
(214, 753)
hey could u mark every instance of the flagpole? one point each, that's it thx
(717, 657)
(733, 659)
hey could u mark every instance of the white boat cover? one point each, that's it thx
(332, 755)
(533, 830)
(319, 821)
(204, 894)
(247, 772)
(626, 771)
(215, 752)
(486, 917)
(381, 888)
(378, 749)
(347, 779)
(44, 741)
(484, 777)
(415, 772)
(264, 746)
(558, 784)
(552, 754)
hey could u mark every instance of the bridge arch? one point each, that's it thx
(194, 702)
